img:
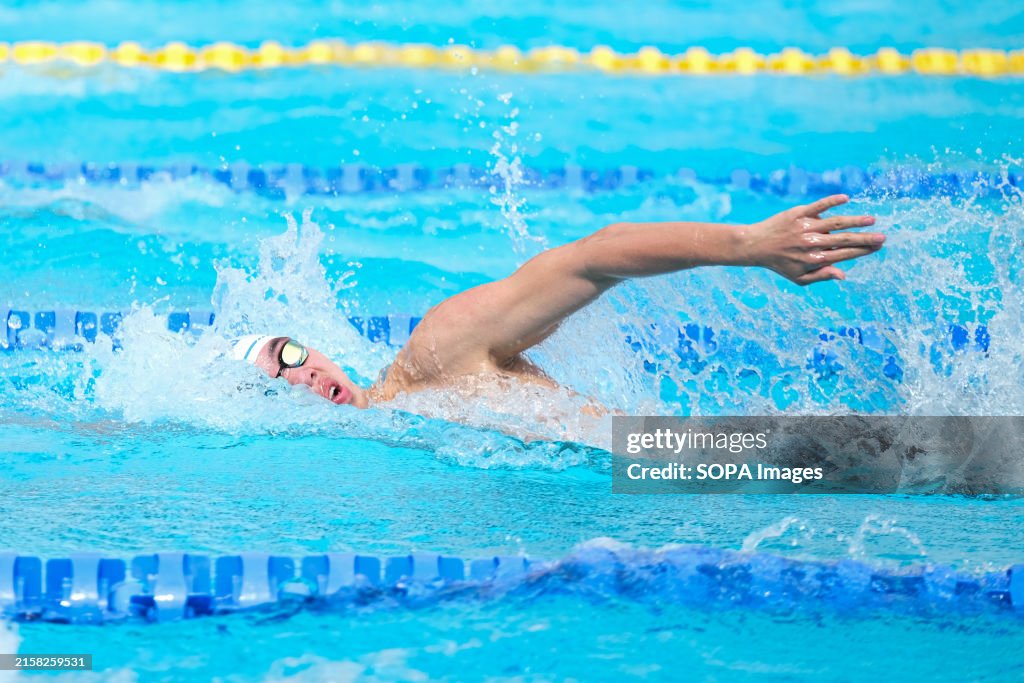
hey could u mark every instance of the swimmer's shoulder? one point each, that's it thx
(444, 344)
(416, 367)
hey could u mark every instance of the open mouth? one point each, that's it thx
(337, 394)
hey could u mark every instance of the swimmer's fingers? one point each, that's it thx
(815, 209)
(843, 254)
(868, 240)
(820, 275)
(840, 223)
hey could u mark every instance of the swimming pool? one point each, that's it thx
(139, 192)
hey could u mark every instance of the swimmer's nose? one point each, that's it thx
(300, 375)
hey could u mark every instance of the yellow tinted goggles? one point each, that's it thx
(292, 354)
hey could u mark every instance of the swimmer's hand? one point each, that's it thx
(799, 244)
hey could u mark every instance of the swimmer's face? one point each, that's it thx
(318, 373)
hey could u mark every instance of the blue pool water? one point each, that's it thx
(153, 448)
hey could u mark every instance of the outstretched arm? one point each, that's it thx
(503, 318)
(797, 243)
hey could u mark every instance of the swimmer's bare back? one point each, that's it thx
(485, 330)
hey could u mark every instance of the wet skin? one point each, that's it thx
(485, 330)
(319, 373)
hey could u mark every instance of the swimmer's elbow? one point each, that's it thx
(600, 254)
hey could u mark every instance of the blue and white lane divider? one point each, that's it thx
(90, 588)
(93, 588)
(66, 329)
(279, 181)
(69, 329)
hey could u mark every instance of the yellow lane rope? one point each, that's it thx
(649, 60)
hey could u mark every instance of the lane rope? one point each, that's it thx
(689, 343)
(96, 588)
(695, 61)
(281, 181)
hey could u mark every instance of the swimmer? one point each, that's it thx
(484, 331)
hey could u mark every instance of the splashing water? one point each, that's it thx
(777, 530)
(155, 375)
(289, 294)
(878, 538)
(747, 350)
(509, 175)
(748, 337)
(528, 412)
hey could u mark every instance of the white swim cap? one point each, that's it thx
(248, 347)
